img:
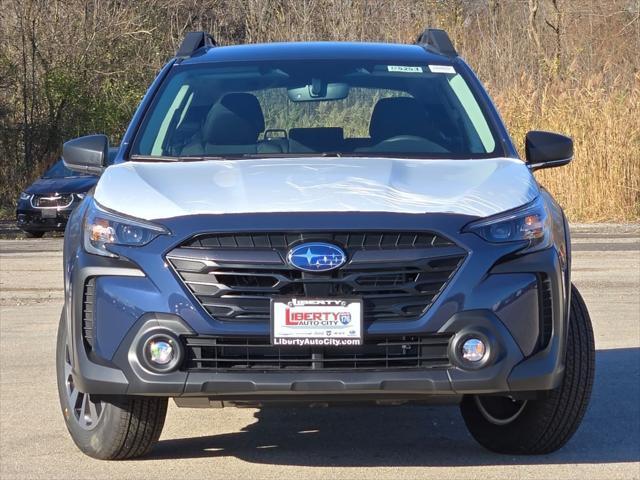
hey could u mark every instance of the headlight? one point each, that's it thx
(80, 196)
(25, 196)
(530, 223)
(102, 229)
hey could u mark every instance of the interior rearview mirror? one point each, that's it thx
(317, 91)
(546, 150)
(86, 154)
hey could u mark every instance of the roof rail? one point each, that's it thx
(193, 41)
(438, 41)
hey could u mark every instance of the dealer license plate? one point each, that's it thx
(316, 321)
(49, 213)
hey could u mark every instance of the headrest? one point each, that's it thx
(397, 116)
(236, 119)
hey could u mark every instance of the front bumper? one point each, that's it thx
(497, 297)
(504, 373)
(33, 219)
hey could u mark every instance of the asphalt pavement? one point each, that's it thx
(348, 442)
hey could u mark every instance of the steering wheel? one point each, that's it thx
(415, 143)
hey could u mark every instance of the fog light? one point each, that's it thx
(160, 352)
(473, 350)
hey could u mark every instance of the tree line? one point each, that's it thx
(71, 67)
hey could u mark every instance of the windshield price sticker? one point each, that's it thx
(442, 69)
(322, 322)
(404, 69)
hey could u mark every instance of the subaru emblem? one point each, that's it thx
(316, 257)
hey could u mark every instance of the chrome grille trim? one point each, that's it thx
(52, 201)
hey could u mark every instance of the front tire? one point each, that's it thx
(34, 233)
(107, 428)
(533, 427)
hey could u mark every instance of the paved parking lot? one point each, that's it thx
(349, 442)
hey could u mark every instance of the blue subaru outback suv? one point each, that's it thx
(320, 223)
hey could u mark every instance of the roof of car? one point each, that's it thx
(317, 51)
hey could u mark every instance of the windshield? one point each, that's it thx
(58, 170)
(316, 108)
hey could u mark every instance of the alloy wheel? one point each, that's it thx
(85, 410)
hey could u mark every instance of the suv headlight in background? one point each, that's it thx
(25, 196)
(530, 223)
(103, 228)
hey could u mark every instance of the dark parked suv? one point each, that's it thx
(46, 204)
(320, 223)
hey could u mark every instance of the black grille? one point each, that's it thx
(215, 353)
(398, 275)
(546, 310)
(87, 312)
(348, 240)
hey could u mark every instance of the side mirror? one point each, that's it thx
(86, 154)
(546, 150)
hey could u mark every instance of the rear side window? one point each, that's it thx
(341, 107)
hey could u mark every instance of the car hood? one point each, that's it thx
(62, 185)
(155, 190)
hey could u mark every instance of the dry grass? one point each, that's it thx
(71, 67)
(603, 181)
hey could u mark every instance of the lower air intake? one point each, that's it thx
(88, 296)
(257, 354)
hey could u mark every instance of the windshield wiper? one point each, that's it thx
(190, 158)
(232, 156)
(202, 158)
(153, 158)
(288, 155)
